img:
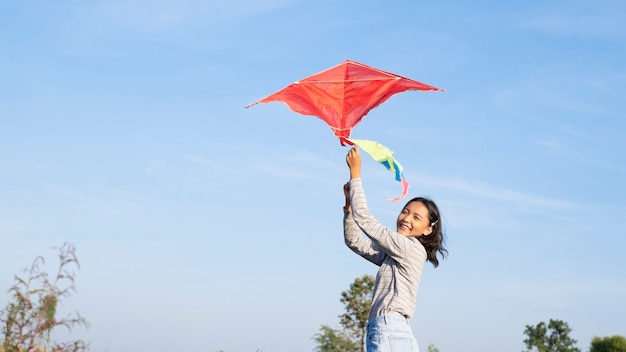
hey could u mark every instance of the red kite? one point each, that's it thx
(342, 96)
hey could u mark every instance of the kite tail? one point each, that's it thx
(405, 190)
(384, 155)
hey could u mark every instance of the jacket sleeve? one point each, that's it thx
(359, 244)
(391, 242)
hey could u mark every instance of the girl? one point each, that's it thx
(400, 254)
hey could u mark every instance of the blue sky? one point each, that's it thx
(201, 225)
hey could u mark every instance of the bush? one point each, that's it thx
(28, 322)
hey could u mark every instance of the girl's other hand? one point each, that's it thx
(353, 159)
(346, 192)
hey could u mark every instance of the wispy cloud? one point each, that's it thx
(484, 190)
(612, 85)
(575, 143)
(296, 164)
(602, 20)
(106, 200)
(211, 163)
(571, 111)
(550, 90)
(155, 16)
(562, 294)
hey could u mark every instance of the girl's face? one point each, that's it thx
(413, 220)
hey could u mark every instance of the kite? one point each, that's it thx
(341, 96)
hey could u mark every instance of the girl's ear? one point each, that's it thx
(428, 231)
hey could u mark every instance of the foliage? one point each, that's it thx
(614, 343)
(357, 301)
(28, 322)
(551, 338)
(432, 348)
(331, 340)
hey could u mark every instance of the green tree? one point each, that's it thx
(553, 337)
(357, 301)
(351, 338)
(331, 340)
(432, 348)
(614, 343)
(28, 322)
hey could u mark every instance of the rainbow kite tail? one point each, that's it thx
(384, 155)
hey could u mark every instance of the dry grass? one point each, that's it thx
(29, 320)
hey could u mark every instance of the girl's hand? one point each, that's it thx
(346, 192)
(353, 159)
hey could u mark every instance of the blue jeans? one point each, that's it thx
(390, 333)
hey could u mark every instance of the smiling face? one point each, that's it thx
(414, 220)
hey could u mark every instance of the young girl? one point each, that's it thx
(400, 254)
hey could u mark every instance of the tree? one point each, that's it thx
(357, 301)
(331, 340)
(432, 348)
(614, 343)
(28, 322)
(551, 338)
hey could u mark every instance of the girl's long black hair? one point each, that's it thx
(434, 243)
